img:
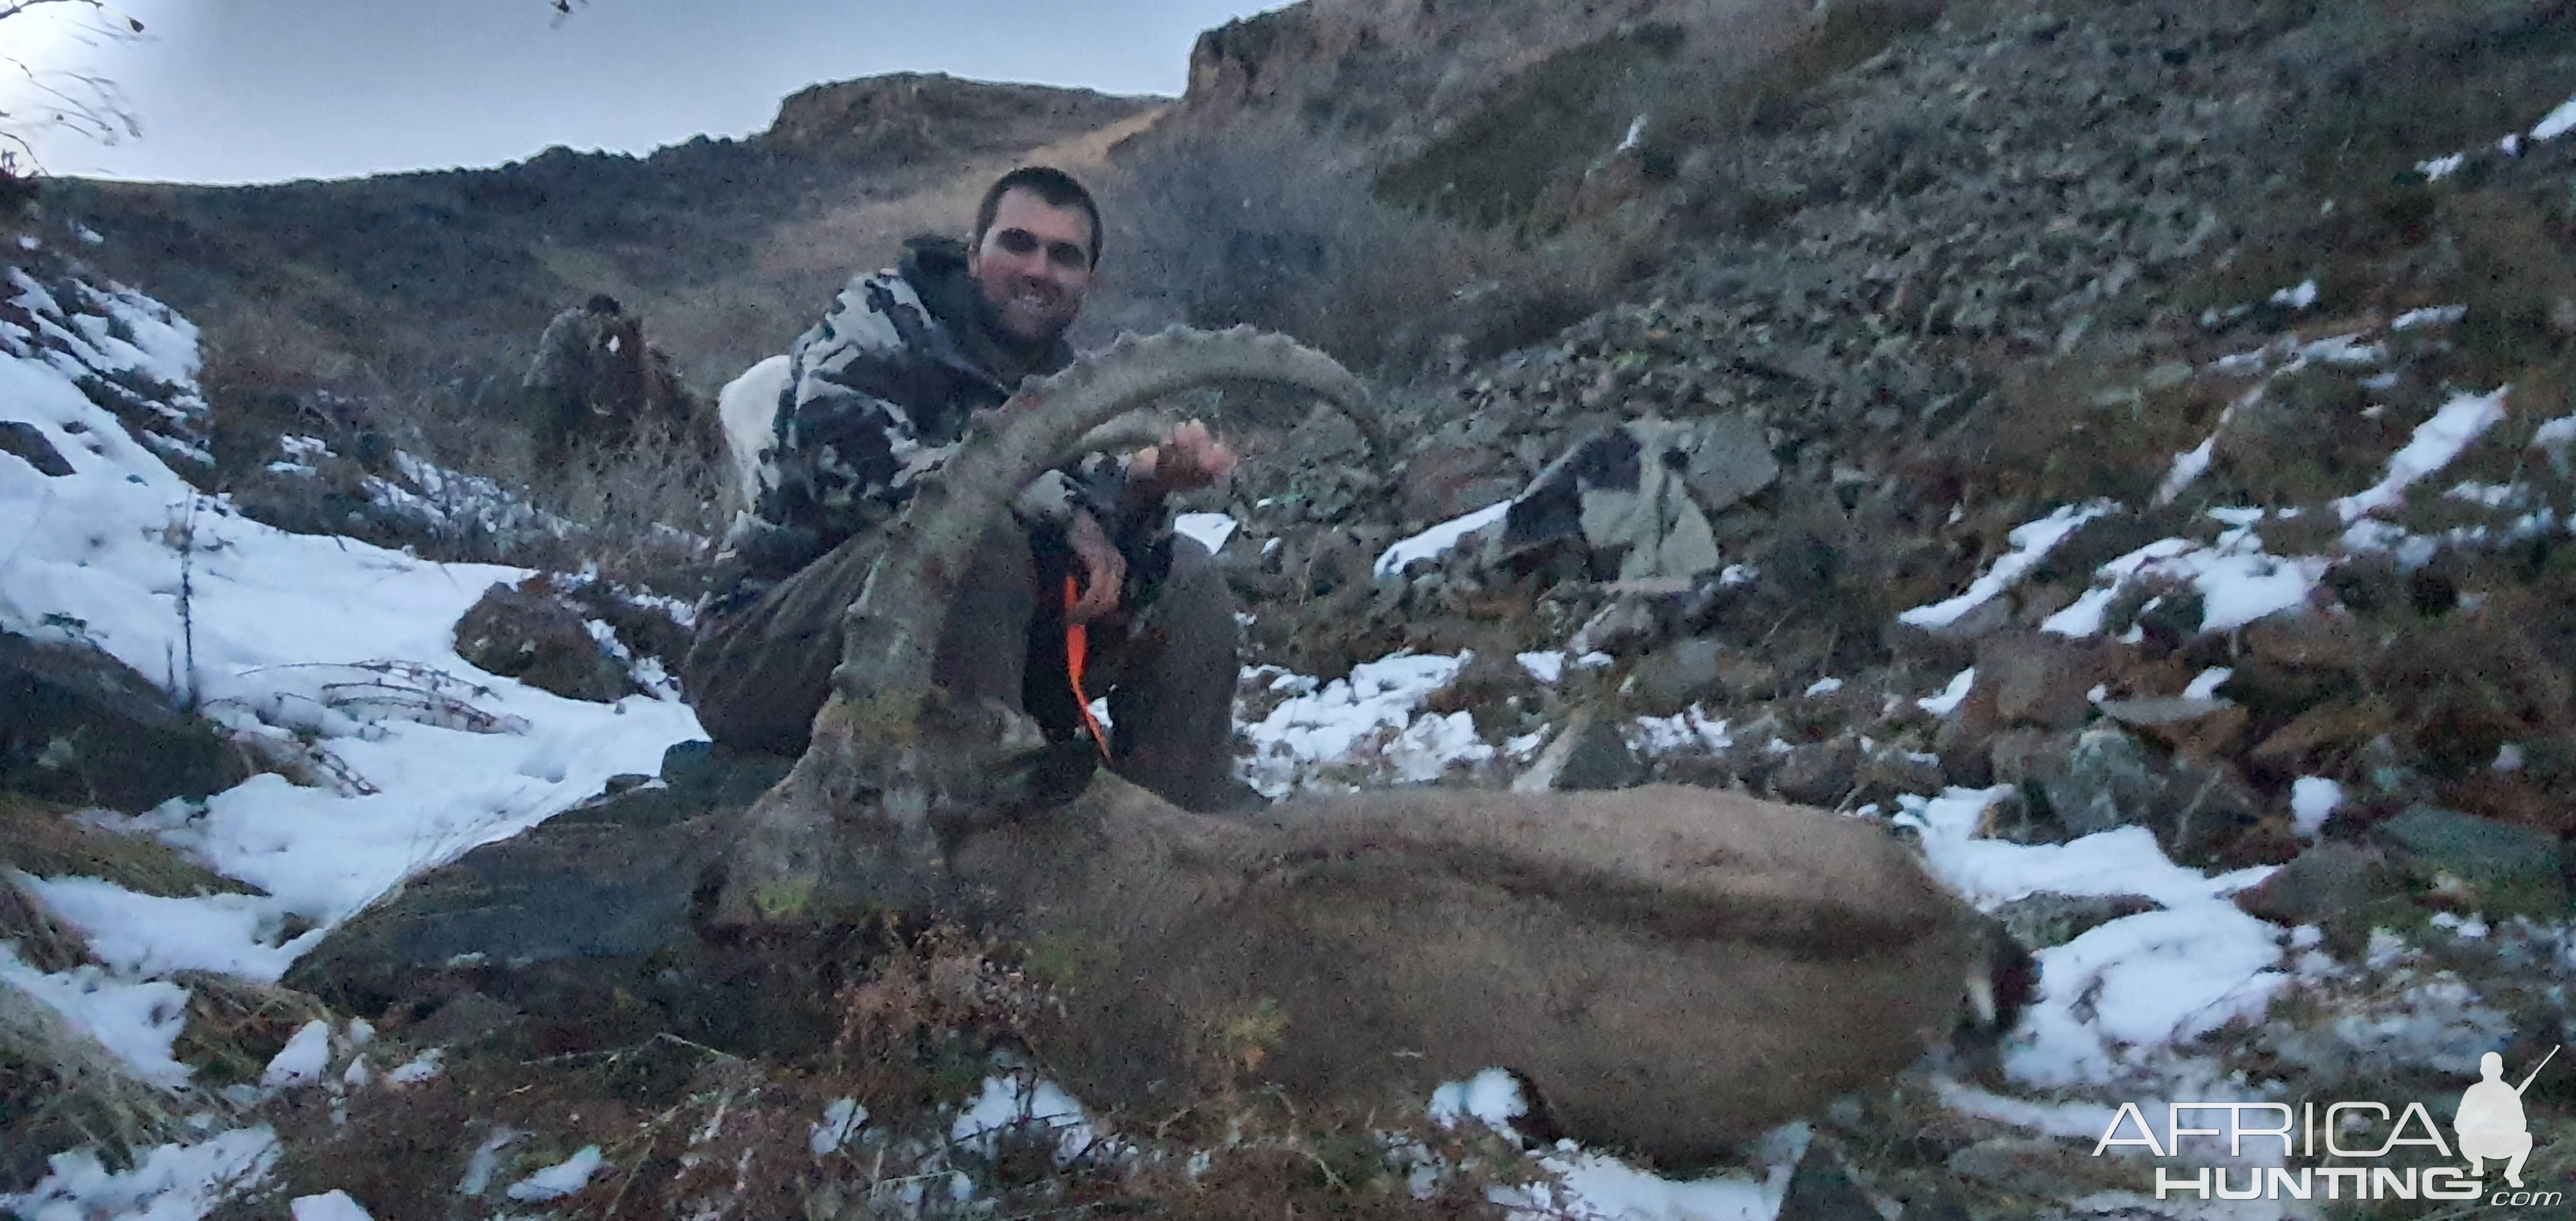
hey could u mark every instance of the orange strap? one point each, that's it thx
(1077, 643)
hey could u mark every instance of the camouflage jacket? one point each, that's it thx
(879, 393)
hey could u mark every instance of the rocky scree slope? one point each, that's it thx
(2089, 412)
(2031, 264)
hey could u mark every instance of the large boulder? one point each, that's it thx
(594, 901)
(80, 726)
(533, 633)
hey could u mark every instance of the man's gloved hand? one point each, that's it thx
(1190, 459)
(1104, 570)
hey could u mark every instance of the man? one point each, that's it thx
(564, 380)
(879, 393)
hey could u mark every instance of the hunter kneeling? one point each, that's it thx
(879, 393)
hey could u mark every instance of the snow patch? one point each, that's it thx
(2436, 442)
(138, 1020)
(334, 1205)
(2031, 543)
(2313, 800)
(302, 1060)
(1211, 530)
(840, 1125)
(1364, 719)
(1010, 1102)
(1951, 696)
(1437, 540)
(561, 1179)
(2112, 1001)
(2557, 122)
(171, 1183)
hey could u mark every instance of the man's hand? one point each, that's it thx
(1104, 569)
(1190, 459)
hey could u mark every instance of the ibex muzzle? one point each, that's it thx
(1674, 968)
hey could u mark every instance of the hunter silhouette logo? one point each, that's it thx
(2490, 1122)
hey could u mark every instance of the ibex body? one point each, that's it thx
(1674, 968)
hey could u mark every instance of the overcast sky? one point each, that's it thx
(269, 90)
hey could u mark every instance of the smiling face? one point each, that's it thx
(1033, 265)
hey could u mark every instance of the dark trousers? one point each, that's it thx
(758, 675)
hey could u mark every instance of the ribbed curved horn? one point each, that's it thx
(893, 631)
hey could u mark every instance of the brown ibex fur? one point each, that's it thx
(1674, 968)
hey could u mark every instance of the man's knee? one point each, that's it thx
(1195, 601)
(738, 694)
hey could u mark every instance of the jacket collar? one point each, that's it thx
(936, 269)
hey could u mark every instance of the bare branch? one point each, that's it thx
(81, 102)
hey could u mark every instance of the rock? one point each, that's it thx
(1966, 748)
(26, 441)
(2028, 756)
(2200, 812)
(2326, 883)
(80, 726)
(2309, 641)
(531, 634)
(567, 914)
(1888, 773)
(1817, 773)
(1730, 459)
(2039, 921)
(1628, 623)
(2039, 678)
(2170, 619)
(725, 776)
(2171, 710)
(1445, 481)
(2504, 869)
(1588, 754)
(1991, 615)
(463, 1016)
(1821, 1189)
(2334, 725)
(1927, 651)
(644, 627)
(2214, 819)
(2214, 735)
(1678, 675)
(2106, 781)
(1744, 677)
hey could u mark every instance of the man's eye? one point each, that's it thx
(1017, 241)
(1068, 255)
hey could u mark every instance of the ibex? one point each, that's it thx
(1674, 969)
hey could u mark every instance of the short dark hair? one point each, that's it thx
(1052, 186)
(601, 303)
